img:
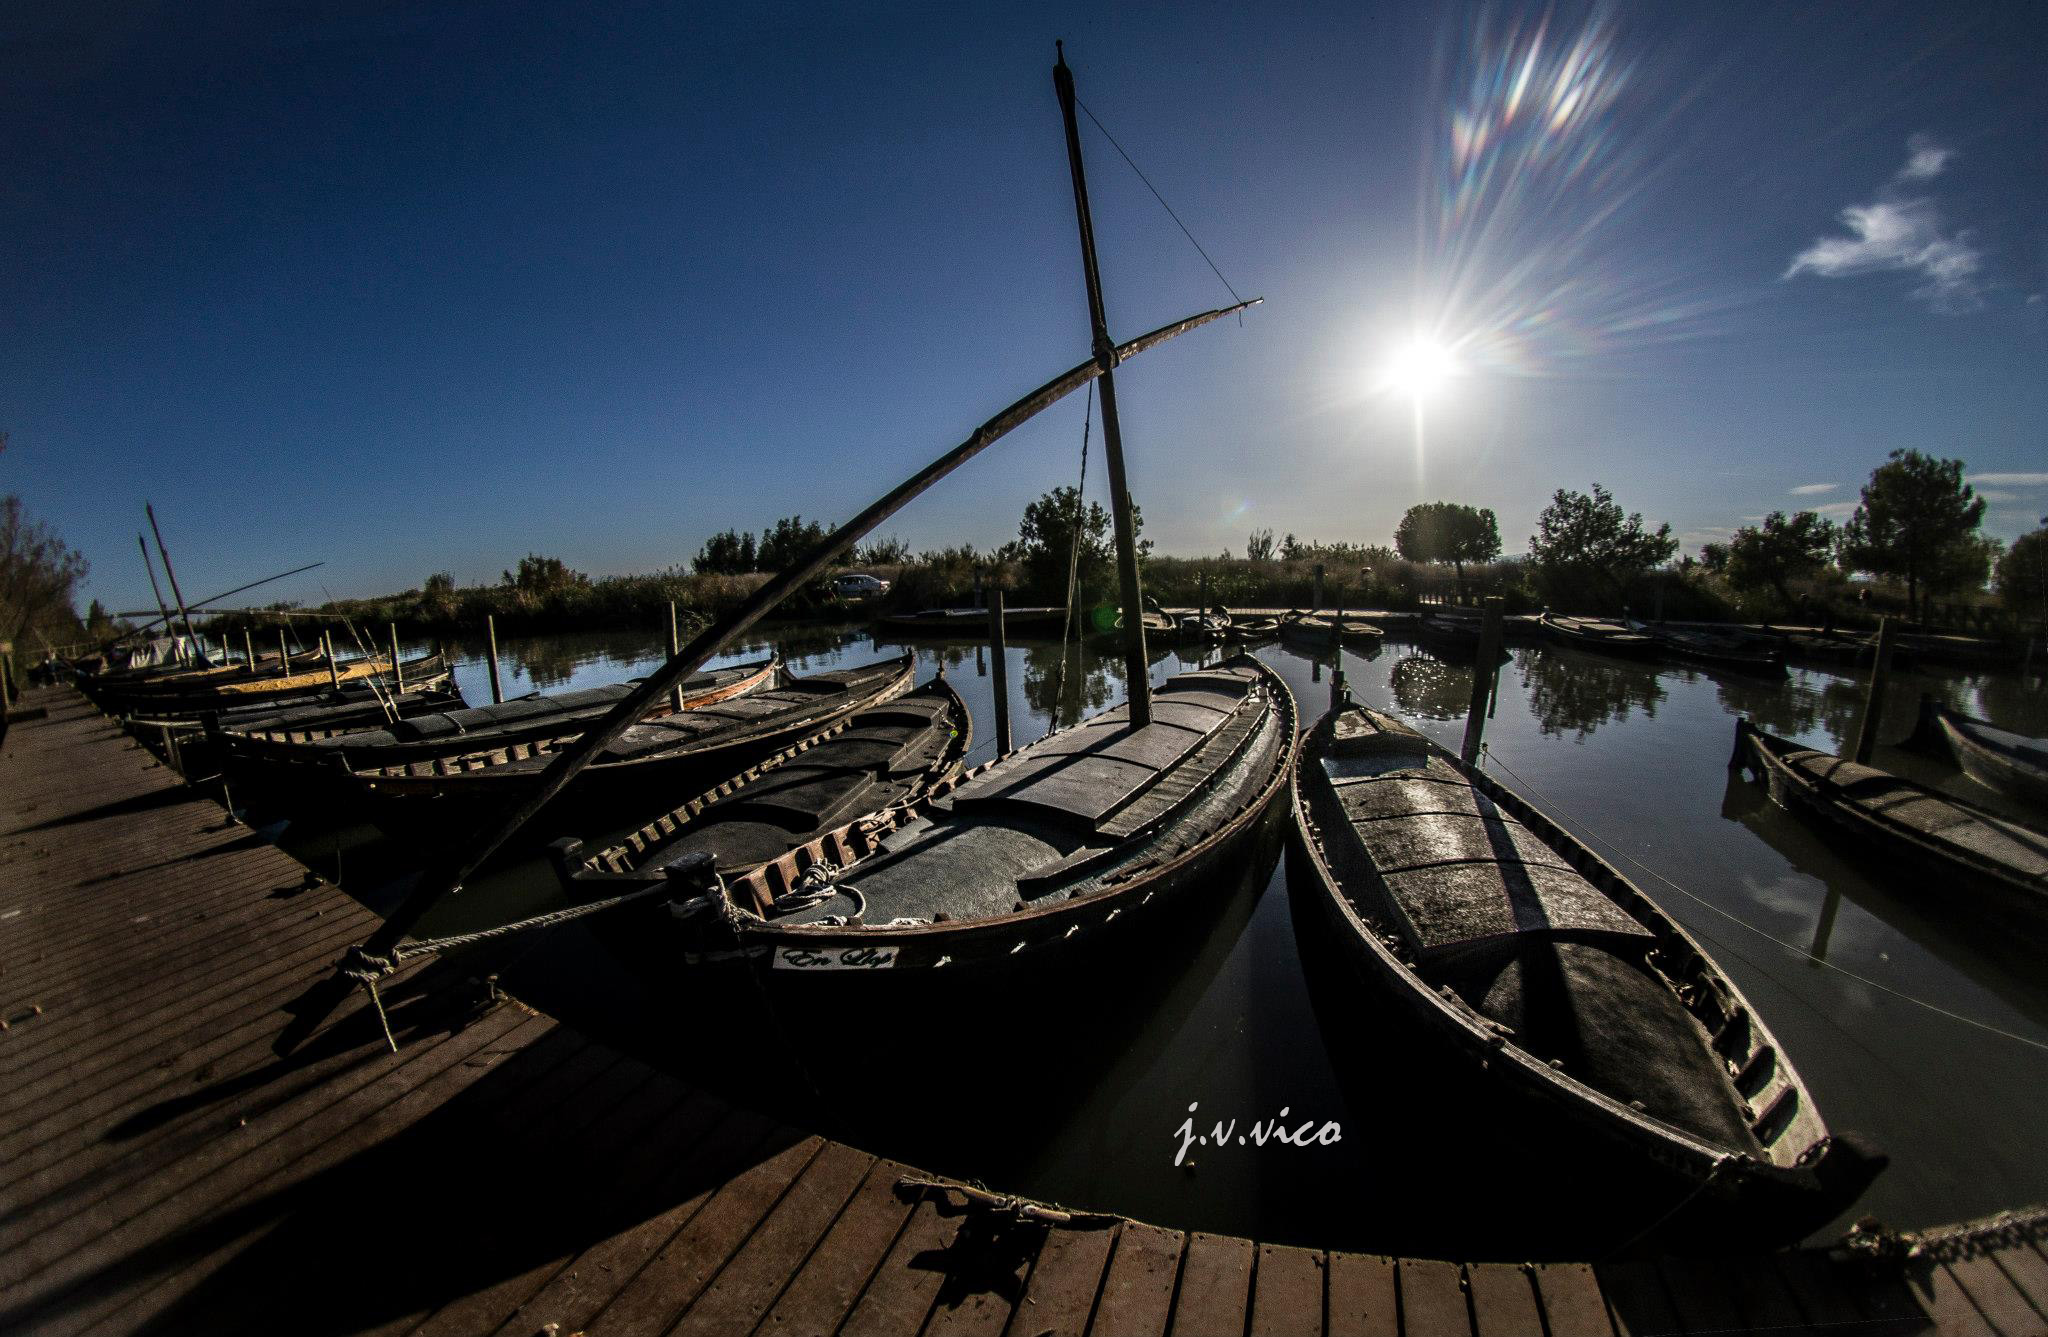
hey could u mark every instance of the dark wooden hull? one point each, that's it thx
(196, 705)
(1700, 649)
(895, 966)
(606, 794)
(1669, 1186)
(2003, 877)
(1992, 757)
(1621, 645)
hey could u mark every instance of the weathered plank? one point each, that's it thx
(1433, 1299)
(1636, 1297)
(1060, 1295)
(1287, 1292)
(1363, 1301)
(1137, 1290)
(1571, 1299)
(1215, 1286)
(1503, 1299)
(1996, 1298)
(825, 1288)
(901, 1292)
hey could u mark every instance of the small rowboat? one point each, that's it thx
(194, 704)
(1314, 631)
(2011, 763)
(1501, 940)
(1452, 638)
(680, 752)
(1986, 865)
(1602, 636)
(890, 756)
(1034, 862)
(1735, 654)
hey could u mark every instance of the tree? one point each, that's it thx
(38, 575)
(727, 553)
(884, 552)
(1917, 522)
(2022, 575)
(1259, 547)
(1779, 551)
(1446, 531)
(542, 576)
(1047, 533)
(1580, 535)
(790, 539)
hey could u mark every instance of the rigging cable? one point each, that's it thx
(1162, 204)
(1794, 948)
(1059, 690)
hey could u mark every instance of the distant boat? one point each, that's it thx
(1602, 636)
(1453, 637)
(971, 623)
(1986, 865)
(1722, 650)
(2011, 763)
(1316, 631)
(1453, 908)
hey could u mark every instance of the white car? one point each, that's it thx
(859, 585)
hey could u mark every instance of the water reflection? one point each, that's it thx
(1574, 692)
(1426, 686)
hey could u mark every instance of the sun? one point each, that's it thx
(1419, 368)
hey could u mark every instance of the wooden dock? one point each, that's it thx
(161, 1171)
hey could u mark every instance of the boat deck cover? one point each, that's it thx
(1886, 796)
(1458, 870)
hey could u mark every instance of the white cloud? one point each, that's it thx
(1835, 508)
(1927, 160)
(1993, 494)
(1813, 489)
(1893, 232)
(2010, 480)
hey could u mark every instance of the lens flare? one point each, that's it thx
(1541, 153)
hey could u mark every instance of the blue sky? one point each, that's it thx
(411, 289)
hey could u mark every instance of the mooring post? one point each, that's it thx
(999, 670)
(397, 672)
(1880, 676)
(1315, 603)
(249, 649)
(333, 669)
(284, 658)
(491, 636)
(1484, 670)
(1337, 686)
(675, 645)
(6, 681)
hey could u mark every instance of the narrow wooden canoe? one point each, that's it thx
(195, 703)
(2011, 763)
(1988, 866)
(1037, 862)
(888, 756)
(1318, 632)
(1601, 636)
(1452, 638)
(646, 769)
(1734, 654)
(1509, 945)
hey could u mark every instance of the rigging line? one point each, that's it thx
(1162, 202)
(1588, 834)
(1059, 690)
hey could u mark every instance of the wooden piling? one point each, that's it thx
(491, 635)
(1873, 709)
(333, 669)
(1315, 603)
(284, 657)
(675, 645)
(999, 668)
(1484, 670)
(397, 670)
(6, 681)
(249, 648)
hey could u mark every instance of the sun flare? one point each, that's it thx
(1419, 368)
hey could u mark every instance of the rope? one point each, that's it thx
(1162, 203)
(1587, 834)
(1720, 1163)
(1059, 689)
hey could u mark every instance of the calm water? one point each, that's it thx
(1633, 757)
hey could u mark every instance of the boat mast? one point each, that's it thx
(170, 575)
(150, 567)
(1137, 669)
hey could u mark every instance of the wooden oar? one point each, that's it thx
(372, 957)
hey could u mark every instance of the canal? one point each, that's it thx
(1913, 1027)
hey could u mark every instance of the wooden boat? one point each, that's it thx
(1060, 849)
(971, 623)
(1987, 865)
(1956, 651)
(888, 756)
(1251, 630)
(194, 703)
(2011, 763)
(1602, 636)
(1317, 632)
(1512, 948)
(1835, 649)
(1452, 637)
(1731, 652)
(645, 767)
(1203, 627)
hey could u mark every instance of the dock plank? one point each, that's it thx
(1363, 1300)
(901, 1292)
(1287, 1292)
(1060, 1296)
(826, 1286)
(1503, 1299)
(2000, 1302)
(1433, 1299)
(1637, 1299)
(1215, 1286)
(1571, 1300)
(1137, 1289)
